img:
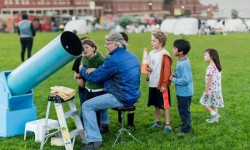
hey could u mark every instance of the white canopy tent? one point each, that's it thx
(248, 24)
(235, 25)
(186, 26)
(211, 22)
(168, 25)
(80, 26)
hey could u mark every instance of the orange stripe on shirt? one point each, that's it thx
(166, 99)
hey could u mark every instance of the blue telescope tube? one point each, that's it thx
(56, 54)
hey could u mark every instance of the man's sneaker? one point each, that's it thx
(213, 119)
(156, 125)
(167, 130)
(92, 146)
(104, 129)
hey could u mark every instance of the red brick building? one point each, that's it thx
(50, 7)
(103, 7)
(132, 7)
(190, 8)
(82, 7)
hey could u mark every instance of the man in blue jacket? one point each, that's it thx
(120, 74)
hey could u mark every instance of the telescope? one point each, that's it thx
(16, 87)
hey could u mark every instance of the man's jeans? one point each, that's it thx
(89, 108)
(184, 103)
(81, 97)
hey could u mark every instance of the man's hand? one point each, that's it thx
(80, 67)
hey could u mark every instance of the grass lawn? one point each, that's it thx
(232, 132)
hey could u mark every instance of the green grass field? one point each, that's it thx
(232, 132)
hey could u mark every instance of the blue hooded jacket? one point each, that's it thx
(120, 74)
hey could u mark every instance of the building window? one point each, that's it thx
(31, 12)
(39, 12)
(107, 7)
(123, 7)
(135, 7)
(64, 11)
(157, 7)
(17, 2)
(55, 2)
(26, 2)
(40, 2)
(61, 2)
(8, 2)
(143, 6)
(79, 2)
(33, 2)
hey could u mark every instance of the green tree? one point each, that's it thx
(234, 14)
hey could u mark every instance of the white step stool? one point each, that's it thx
(67, 136)
(37, 126)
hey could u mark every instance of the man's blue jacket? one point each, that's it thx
(120, 74)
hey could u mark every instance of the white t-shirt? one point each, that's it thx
(155, 59)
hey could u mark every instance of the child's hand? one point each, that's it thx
(88, 71)
(206, 93)
(171, 77)
(149, 69)
(81, 83)
(76, 75)
(163, 89)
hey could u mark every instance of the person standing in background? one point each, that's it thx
(159, 69)
(183, 80)
(212, 98)
(27, 32)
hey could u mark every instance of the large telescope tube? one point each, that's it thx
(44, 63)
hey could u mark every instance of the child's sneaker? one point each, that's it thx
(167, 130)
(213, 119)
(156, 125)
(180, 134)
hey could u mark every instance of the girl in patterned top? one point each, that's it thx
(212, 97)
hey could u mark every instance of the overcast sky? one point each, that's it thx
(225, 6)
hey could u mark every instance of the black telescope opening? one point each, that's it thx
(71, 43)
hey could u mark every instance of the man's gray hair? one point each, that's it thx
(116, 37)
